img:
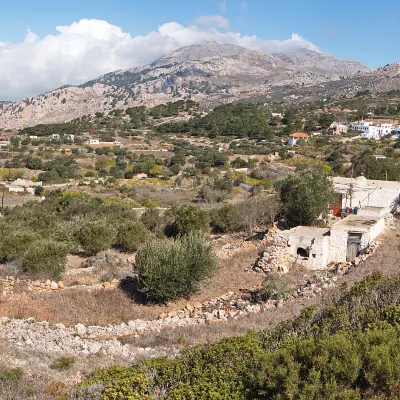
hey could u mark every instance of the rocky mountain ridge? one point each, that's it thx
(209, 73)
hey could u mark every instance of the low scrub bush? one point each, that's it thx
(47, 256)
(188, 220)
(96, 236)
(172, 268)
(63, 363)
(131, 235)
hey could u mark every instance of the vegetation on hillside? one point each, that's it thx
(348, 350)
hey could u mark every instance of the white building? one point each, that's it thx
(315, 248)
(94, 141)
(295, 137)
(69, 137)
(370, 130)
(55, 136)
(361, 192)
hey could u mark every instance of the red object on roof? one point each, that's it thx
(299, 135)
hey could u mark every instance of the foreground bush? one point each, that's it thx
(46, 256)
(172, 268)
(349, 350)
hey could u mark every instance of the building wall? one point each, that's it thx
(370, 196)
(318, 253)
(338, 239)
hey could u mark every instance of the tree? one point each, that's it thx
(172, 268)
(305, 196)
(96, 236)
(131, 235)
(189, 219)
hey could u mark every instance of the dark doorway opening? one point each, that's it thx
(303, 252)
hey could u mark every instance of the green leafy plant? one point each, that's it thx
(172, 268)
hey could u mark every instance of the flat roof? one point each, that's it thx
(339, 180)
(308, 231)
(356, 222)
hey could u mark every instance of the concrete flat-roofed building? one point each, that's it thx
(315, 247)
(308, 244)
(361, 192)
(352, 235)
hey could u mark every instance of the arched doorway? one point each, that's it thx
(302, 252)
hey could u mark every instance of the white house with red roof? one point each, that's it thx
(295, 137)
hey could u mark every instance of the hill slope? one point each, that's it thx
(209, 73)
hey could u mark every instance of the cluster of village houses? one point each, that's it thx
(367, 129)
(358, 218)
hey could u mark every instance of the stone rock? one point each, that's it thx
(94, 347)
(61, 284)
(106, 285)
(54, 285)
(80, 329)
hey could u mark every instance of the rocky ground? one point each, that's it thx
(25, 341)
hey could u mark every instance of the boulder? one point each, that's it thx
(80, 329)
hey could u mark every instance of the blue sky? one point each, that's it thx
(367, 31)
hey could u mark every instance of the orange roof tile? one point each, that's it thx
(299, 135)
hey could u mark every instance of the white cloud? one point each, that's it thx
(222, 6)
(209, 21)
(89, 48)
(244, 6)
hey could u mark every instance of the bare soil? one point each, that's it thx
(102, 307)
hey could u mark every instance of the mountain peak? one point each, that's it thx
(200, 51)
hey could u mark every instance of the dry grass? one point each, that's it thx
(102, 307)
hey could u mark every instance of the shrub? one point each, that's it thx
(39, 190)
(131, 235)
(246, 215)
(153, 220)
(96, 236)
(14, 244)
(273, 288)
(63, 363)
(189, 220)
(172, 268)
(46, 256)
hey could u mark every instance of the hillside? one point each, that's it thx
(209, 73)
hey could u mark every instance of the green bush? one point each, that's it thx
(172, 268)
(305, 197)
(14, 244)
(349, 350)
(96, 236)
(63, 363)
(153, 220)
(189, 220)
(39, 190)
(46, 256)
(246, 215)
(131, 235)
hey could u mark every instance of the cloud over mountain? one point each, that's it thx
(90, 47)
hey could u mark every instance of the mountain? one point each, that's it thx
(209, 73)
